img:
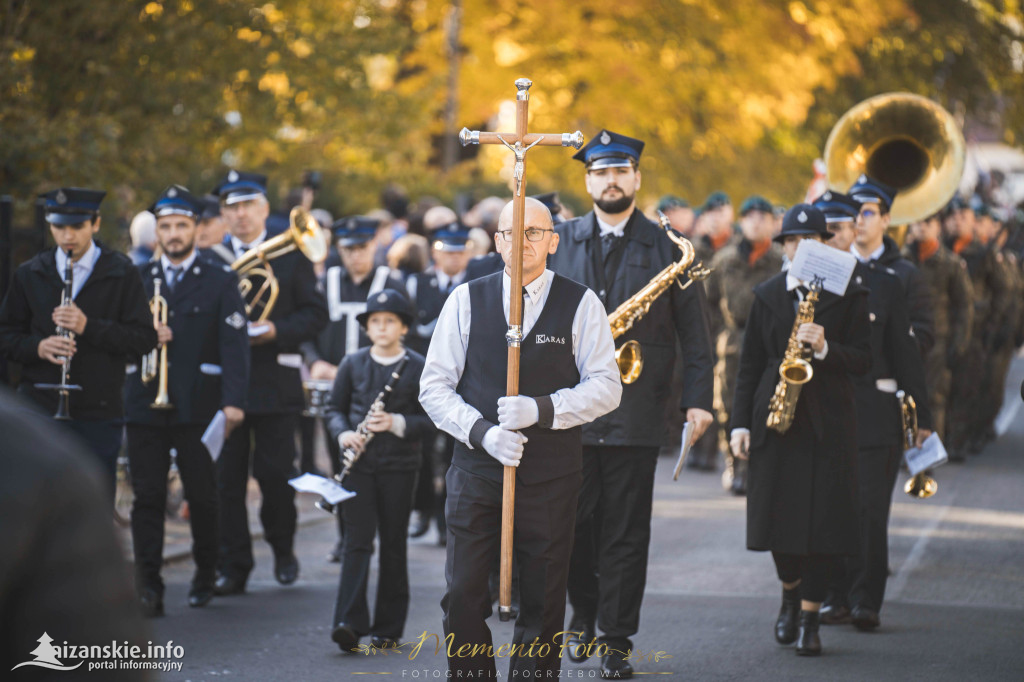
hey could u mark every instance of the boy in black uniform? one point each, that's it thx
(346, 287)
(567, 377)
(108, 315)
(207, 370)
(384, 474)
(266, 437)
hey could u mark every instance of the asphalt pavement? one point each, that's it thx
(954, 608)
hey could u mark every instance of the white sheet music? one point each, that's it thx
(213, 437)
(834, 267)
(331, 490)
(930, 455)
(684, 448)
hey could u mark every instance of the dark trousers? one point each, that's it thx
(814, 571)
(618, 487)
(268, 442)
(381, 507)
(862, 578)
(150, 460)
(543, 530)
(103, 437)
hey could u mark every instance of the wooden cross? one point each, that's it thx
(519, 143)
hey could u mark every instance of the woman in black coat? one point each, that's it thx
(802, 494)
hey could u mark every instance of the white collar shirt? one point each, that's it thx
(82, 268)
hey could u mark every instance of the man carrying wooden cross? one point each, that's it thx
(568, 377)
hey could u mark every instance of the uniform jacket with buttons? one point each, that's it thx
(119, 325)
(919, 296)
(208, 357)
(676, 313)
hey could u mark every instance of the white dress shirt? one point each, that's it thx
(874, 255)
(606, 228)
(240, 247)
(81, 269)
(183, 266)
(597, 393)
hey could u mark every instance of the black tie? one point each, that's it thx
(608, 242)
(173, 275)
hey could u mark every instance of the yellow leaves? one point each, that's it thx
(798, 12)
(248, 35)
(275, 82)
(23, 54)
(153, 10)
(508, 53)
(380, 71)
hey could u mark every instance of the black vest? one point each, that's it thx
(546, 364)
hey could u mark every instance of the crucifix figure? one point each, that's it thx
(519, 143)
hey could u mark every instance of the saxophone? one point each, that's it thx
(795, 369)
(629, 357)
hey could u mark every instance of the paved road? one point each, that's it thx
(954, 611)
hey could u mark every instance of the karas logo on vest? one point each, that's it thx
(544, 338)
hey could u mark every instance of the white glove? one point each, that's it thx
(517, 412)
(504, 446)
(740, 443)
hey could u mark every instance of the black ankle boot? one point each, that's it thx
(808, 643)
(785, 626)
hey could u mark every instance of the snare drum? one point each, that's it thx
(317, 392)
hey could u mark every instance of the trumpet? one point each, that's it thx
(257, 283)
(921, 485)
(350, 456)
(154, 363)
(64, 388)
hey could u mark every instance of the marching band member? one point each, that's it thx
(266, 437)
(384, 474)
(858, 585)
(207, 369)
(107, 316)
(567, 378)
(616, 251)
(801, 485)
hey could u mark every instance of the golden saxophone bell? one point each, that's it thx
(257, 283)
(906, 141)
(630, 359)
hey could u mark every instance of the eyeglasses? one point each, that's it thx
(533, 234)
(867, 213)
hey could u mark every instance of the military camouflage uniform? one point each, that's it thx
(731, 294)
(953, 309)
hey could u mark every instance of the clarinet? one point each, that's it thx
(351, 456)
(64, 388)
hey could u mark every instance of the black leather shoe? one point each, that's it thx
(345, 637)
(580, 646)
(200, 595)
(379, 642)
(864, 618)
(227, 585)
(419, 524)
(615, 667)
(286, 568)
(151, 603)
(786, 623)
(835, 614)
(808, 643)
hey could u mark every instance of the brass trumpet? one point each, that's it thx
(922, 485)
(154, 363)
(257, 283)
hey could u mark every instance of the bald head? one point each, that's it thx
(535, 214)
(438, 216)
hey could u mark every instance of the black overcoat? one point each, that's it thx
(208, 358)
(682, 313)
(895, 355)
(275, 384)
(358, 382)
(802, 486)
(119, 325)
